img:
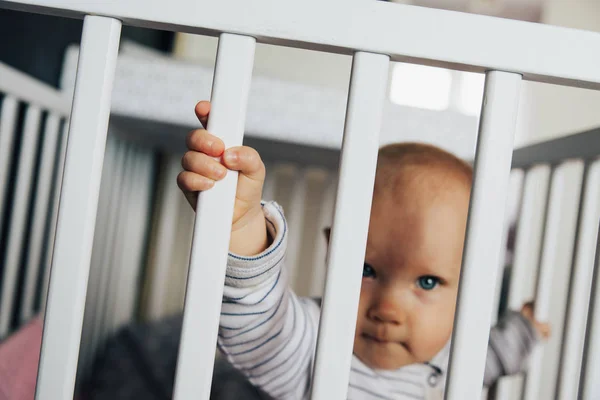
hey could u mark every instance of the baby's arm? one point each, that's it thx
(511, 342)
(266, 331)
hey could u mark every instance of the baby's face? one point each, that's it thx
(410, 276)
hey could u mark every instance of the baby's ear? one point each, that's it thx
(327, 232)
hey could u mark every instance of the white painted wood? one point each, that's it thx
(62, 152)
(40, 214)
(77, 210)
(457, 40)
(164, 244)
(589, 388)
(214, 213)
(18, 221)
(8, 118)
(31, 91)
(580, 286)
(527, 242)
(482, 241)
(368, 87)
(545, 277)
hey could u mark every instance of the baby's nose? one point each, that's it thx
(386, 311)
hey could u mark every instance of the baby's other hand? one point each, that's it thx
(542, 328)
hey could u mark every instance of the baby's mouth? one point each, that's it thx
(383, 340)
(377, 339)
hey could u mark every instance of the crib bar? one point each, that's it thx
(212, 229)
(540, 52)
(40, 212)
(163, 249)
(31, 91)
(482, 241)
(77, 209)
(580, 286)
(368, 85)
(588, 386)
(57, 182)
(18, 221)
(8, 118)
(543, 296)
(526, 241)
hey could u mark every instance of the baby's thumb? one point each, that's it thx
(246, 160)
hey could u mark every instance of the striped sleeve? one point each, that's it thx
(266, 331)
(510, 343)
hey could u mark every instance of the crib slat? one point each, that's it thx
(8, 118)
(482, 241)
(589, 388)
(60, 167)
(40, 212)
(18, 221)
(231, 86)
(526, 255)
(368, 87)
(78, 207)
(580, 286)
(163, 247)
(545, 276)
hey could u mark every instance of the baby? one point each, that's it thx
(409, 287)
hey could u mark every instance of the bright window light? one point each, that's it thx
(470, 93)
(420, 86)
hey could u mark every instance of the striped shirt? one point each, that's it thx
(270, 334)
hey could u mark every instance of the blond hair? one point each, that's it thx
(400, 162)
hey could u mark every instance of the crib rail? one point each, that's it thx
(507, 51)
(552, 169)
(446, 39)
(35, 174)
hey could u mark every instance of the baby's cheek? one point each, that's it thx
(434, 328)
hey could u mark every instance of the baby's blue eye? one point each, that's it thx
(428, 282)
(368, 271)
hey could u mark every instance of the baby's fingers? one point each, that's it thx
(543, 329)
(202, 164)
(202, 112)
(204, 142)
(246, 160)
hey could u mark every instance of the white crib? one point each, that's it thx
(507, 51)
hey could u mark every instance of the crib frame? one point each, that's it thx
(507, 51)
